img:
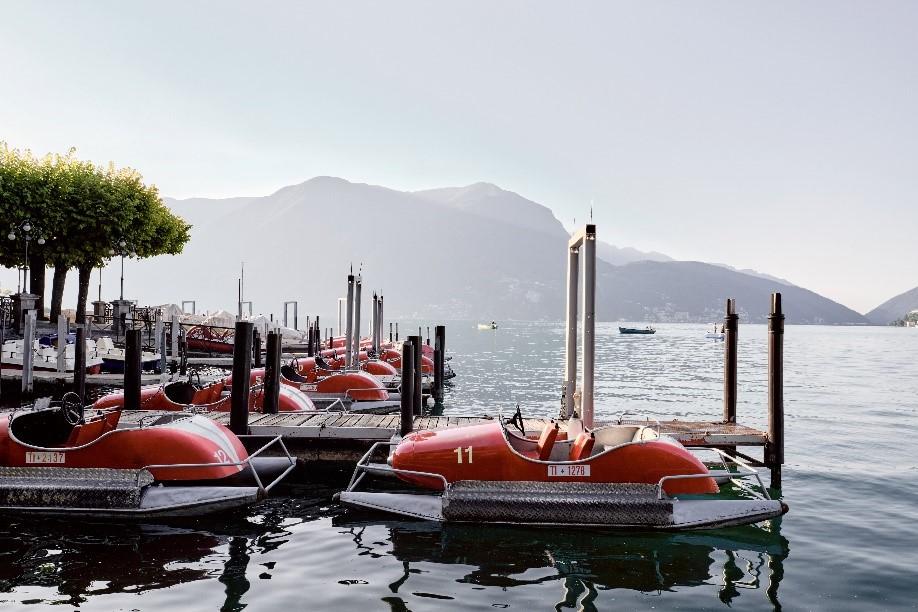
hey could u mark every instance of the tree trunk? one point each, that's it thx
(57, 290)
(37, 282)
(85, 272)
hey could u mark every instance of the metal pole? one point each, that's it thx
(380, 322)
(242, 372)
(390, 332)
(341, 302)
(570, 363)
(731, 347)
(62, 343)
(122, 276)
(374, 323)
(272, 374)
(357, 289)
(28, 354)
(79, 362)
(775, 447)
(132, 365)
(589, 324)
(348, 346)
(407, 395)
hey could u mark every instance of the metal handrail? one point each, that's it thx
(740, 463)
(247, 461)
(362, 467)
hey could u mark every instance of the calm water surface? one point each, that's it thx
(848, 543)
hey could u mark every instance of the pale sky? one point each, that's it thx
(780, 136)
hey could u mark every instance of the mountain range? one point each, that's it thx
(475, 252)
(894, 309)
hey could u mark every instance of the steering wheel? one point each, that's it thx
(517, 421)
(72, 408)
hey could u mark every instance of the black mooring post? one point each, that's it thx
(390, 331)
(132, 365)
(79, 362)
(256, 348)
(396, 332)
(272, 374)
(242, 371)
(183, 351)
(407, 397)
(438, 378)
(310, 341)
(731, 333)
(440, 366)
(418, 375)
(774, 449)
(428, 335)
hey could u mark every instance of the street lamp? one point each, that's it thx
(25, 229)
(122, 248)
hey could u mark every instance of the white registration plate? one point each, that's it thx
(568, 471)
(45, 457)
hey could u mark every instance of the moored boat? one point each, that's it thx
(637, 330)
(44, 358)
(69, 462)
(616, 476)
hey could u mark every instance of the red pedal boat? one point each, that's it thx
(181, 395)
(60, 461)
(617, 476)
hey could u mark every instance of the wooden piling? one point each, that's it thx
(242, 371)
(774, 447)
(272, 374)
(183, 351)
(407, 395)
(133, 345)
(731, 333)
(28, 352)
(174, 339)
(418, 374)
(61, 343)
(162, 353)
(256, 347)
(79, 362)
(439, 362)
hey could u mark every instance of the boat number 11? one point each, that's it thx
(459, 450)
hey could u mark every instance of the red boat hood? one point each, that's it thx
(482, 452)
(192, 440)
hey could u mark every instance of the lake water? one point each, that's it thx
(848, 543)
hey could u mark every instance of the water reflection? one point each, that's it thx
(584, 562)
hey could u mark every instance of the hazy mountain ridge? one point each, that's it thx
(895, 308)
(472, 252)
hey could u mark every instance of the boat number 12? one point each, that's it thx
(459, 450)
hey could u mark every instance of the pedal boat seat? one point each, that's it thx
(291, 374)
(582, 447)
(546, 442)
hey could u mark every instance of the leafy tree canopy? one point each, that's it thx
(82, 210)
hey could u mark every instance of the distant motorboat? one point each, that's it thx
(636, 330)
(491, 325)
(714, 336)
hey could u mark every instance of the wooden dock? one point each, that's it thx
(335, 436)
(66, 378)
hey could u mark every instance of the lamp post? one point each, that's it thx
(25, 229)
(122, 248)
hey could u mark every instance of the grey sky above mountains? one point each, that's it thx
(775, 136)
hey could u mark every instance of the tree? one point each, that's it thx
(83, 211)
